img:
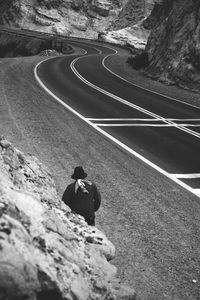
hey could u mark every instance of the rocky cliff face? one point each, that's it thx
(128, 28)
(84, 18)
(81, 18)
(174, 43)
(46, 252)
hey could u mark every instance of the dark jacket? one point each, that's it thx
(83, 203)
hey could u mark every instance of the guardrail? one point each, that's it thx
(45, 35)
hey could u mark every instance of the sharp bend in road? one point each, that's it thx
(161, 131)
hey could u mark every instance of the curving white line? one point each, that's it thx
(134, 84)
(179, 126)
(168, 121)
(107, 135)
(139, 86)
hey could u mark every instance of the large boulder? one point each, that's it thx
(46, 251)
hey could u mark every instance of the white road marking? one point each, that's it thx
(190, 125)
(128, 149)
(131, 125)
(189, 131)
(141, 119)
(197, 192)
(190, 176)
(185, 120)
(122, 119)
(136, 85)
(143, 125)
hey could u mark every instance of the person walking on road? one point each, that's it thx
(82, 196)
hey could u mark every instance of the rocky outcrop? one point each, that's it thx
(136, 36)
(46, 251)
(128, 28)
(76, 18)
(174, 43)
(87, 18)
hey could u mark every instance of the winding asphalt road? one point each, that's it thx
(153, 222)
(161, 131)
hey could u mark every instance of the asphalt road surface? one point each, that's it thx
(161, 131)
(151, 219)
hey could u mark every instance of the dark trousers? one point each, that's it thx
(90, 221)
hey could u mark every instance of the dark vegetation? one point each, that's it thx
(13, 45)
(193, 57)
(139, 61)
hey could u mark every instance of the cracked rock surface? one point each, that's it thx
(46, 251)
(174, 43)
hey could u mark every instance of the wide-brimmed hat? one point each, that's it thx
(79, 173)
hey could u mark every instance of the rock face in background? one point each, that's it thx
(136, 36)
(129, 29)
(81, 18)
(174, 43)
(46, 252)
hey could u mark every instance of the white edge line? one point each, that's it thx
(197, 192)
(139, 86)
(153, 92)
(131, 151)
(143, 125)
(123, 119)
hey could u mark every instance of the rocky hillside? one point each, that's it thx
(46, 252)
(81, 18)
(128, 28)
(174, 43)
(70, 17)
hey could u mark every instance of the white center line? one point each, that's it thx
(136, 107)
(123, 119)
(132, 125)
(142, 119)
(125, 147)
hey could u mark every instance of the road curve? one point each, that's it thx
(152, 221)
(163, 132)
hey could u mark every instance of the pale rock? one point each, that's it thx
(79, 21)
(80, 289)
(102, 7)
(51, 14)
(46, 251)
(76, 18)
(128, 27)
(136, 36)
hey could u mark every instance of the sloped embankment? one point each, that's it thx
(46, 251)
